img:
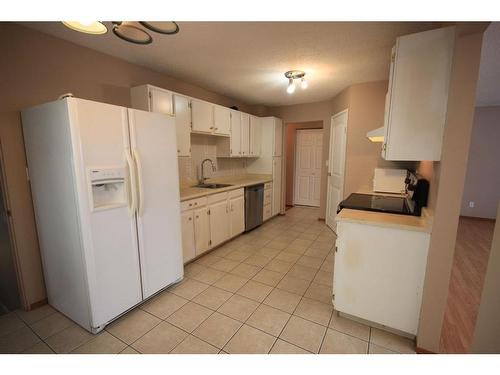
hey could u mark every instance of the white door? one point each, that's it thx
(278, 137)
(219, 223)
(276, 185)
(237, 211)
(245, 134)
(202, 115)
(188, 247)
(182, 125)
(109, 235)
(308, 155)
(235, 133)
(201, 230)
(152, 139)
(161, 101)
(222, 120)
(336, 166)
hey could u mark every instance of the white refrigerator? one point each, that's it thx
(105, 188)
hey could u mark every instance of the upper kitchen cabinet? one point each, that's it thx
(222, 120)
(202, 116)
(254, 136)
(417, 97)
(245, 134)
(155, 99)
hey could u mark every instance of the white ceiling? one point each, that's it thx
(246, 60)
(488, 87)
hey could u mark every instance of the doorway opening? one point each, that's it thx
(293, 131)
(480, 202)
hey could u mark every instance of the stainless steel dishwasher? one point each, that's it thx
(254, 206)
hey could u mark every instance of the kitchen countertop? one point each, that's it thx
(416, 223)
(236, 182)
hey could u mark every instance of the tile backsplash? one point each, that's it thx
(202, 147)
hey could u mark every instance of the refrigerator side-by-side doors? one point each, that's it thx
(154, 150)
(106, 198)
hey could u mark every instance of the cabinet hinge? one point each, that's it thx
(150, 95)
(336, 249)
(208, 212)
(333, 297)
(393, 57)
(210, 242)
(384, 146)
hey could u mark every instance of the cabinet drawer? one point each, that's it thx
(268, 196)
(217, 197)
(268, 185)
(236, 193)
(193, 203)
(267, 212)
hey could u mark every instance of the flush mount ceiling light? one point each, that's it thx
(133, 32)
(292, 75)
(87, 27)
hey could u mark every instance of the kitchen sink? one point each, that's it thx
(212, 186)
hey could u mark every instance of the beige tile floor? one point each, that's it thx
(268, 291)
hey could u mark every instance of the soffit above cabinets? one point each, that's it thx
(246, 60)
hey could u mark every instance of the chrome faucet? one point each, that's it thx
(203, 178)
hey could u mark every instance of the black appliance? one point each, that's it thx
(417, 195)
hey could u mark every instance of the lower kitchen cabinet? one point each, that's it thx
(219, 222)
(237, 214)
(201, 230)
(188, 246)
(379, 274)
(209, 221)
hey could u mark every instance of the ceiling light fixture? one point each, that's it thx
(87, 27)
(130, 33)
(161, 27)
(292, 75)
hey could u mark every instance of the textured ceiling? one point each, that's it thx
(488, 87)
(246, 60)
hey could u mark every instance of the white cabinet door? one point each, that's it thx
(161, 101)
(235, 149)
(202, 116)
(222, 120)
(245, 134)
(418, 95)
(278, 137)
(276, 185)
(254, 136)
(188, 246)
(182, 113)
(237, 211)
(201, 230)
(219, 223)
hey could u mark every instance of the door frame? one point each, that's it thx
(330, 149)
(294, 185)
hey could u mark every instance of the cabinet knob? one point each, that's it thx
(195, 203)
(197, 216)
(190, 204)
(178, 151)
(190, 218)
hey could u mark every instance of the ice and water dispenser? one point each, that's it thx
(108, 188)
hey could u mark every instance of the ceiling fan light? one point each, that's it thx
(162, 27)
(131, 33)
(90, 27)
(291, 86)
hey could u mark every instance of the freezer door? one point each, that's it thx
(100, 140)
(153, 143)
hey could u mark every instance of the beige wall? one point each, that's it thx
(482, 180)
(487, 333)
(37, 68)
(447, 184)
(291, 132)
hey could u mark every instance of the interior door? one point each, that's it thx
(308, 155)
(235, 133)
(219, 223)
(222, 120)
(202, 115)
(188, 247)
(182, 125)
(201, 230)
(152, 138)
(109, 233)
(336, 166)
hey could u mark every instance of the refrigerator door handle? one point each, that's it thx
(140, 200)
(132, 204)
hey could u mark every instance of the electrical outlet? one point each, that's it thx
(471, 204)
